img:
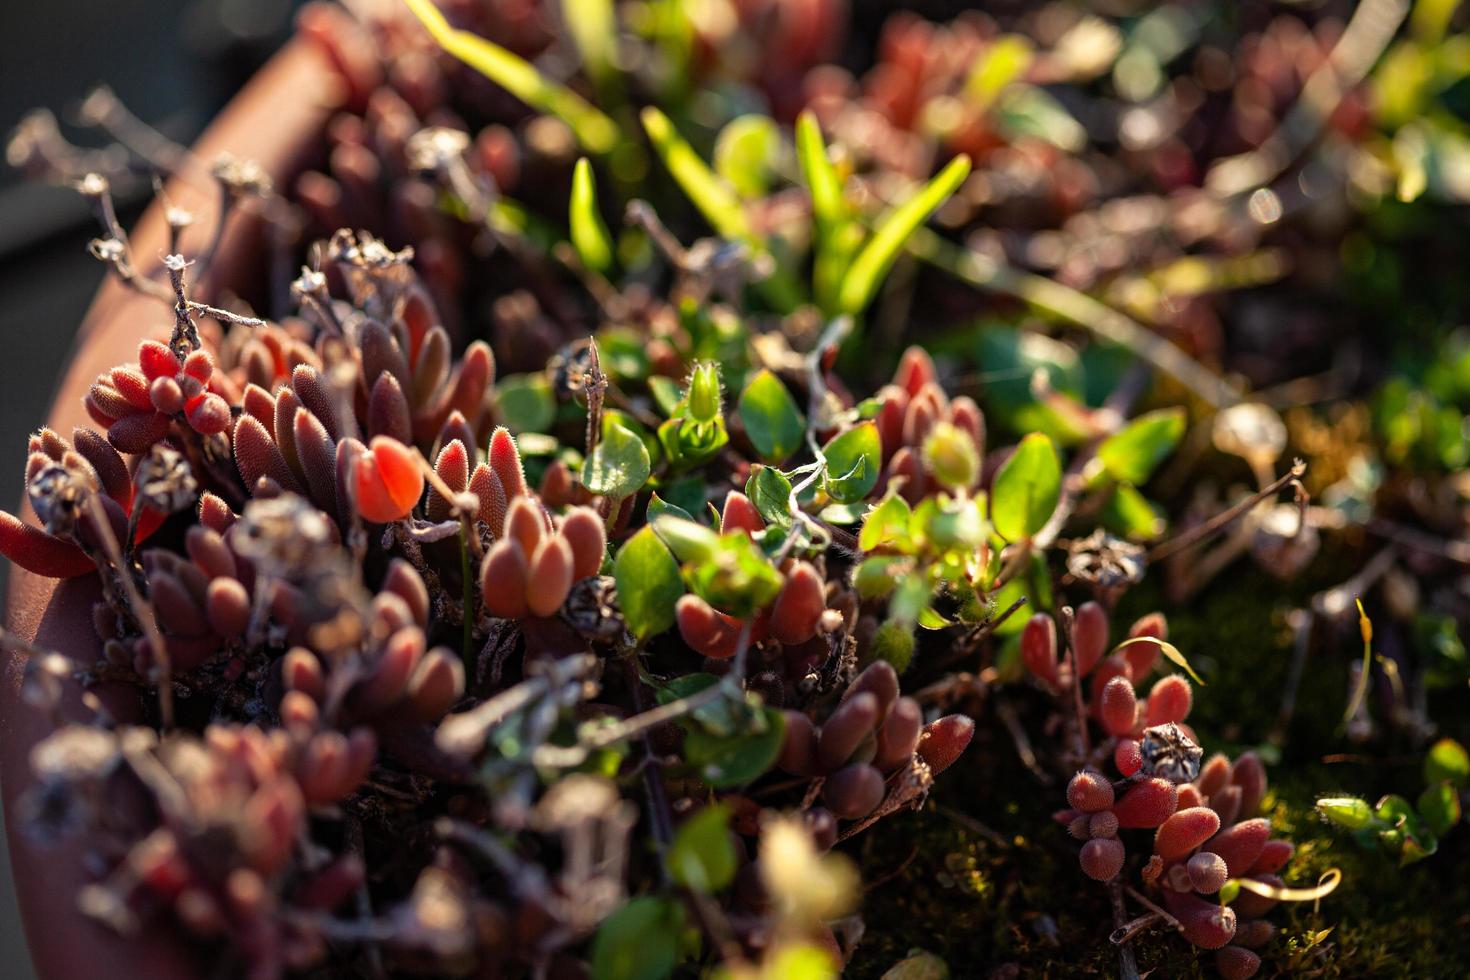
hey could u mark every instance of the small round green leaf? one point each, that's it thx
(619, 466)
(640, 941)
(1026, 489)
(770, 416)
(853, 462)
(648, 583)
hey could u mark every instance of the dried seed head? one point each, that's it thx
(165, 481)
(1170, 754)
(283, 535)
(56, 494)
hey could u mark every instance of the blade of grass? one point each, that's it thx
(594, 131)
(862, 279)
(714, 198)
(837, 235)
(716, 201)
(589, 234)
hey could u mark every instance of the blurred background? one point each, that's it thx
(172, 62)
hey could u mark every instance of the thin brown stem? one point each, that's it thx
(1221, 520)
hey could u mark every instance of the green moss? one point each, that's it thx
(1019, 898)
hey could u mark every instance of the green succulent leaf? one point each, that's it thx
(853, 462)
(593, 130)
(648, 583)
(1026, 489)
(619, 465)
(702, 856)
(640, 941)
(771, 418)
(1131, 454)
(867, 272)
(590, 236)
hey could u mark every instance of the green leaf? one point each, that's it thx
(770, 416)
(524, 403)
(1004, 61)
(590, 236)
(702, 856)
(1129, 514)
(594, 130)
(659, 507)
(714, 198)
(829, 206)
(853, 462)
(723, 762)
(1131, 454)
(1229, 891)
(594, 29)
(746, 152)
(1026, 110)
(886, 524)
(860, 283)
(1026, 489)
(690, 542)
(1447, 761)
(1170, 652)
(770, 491)
(704, 392)
(640, 941)
(1348, 812)
(1439, 806)
(619, 465)
(737, 578)
(648, 582)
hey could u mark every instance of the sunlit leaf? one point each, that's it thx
(862, 279)
(1171, 653)
(770, 491)
(1447, 761)
(590, 236)
(709, 192)
(619, 465)
(746, 152)
(593, 130)
(853, 462)
(648, 582)
(1026, 489)
(771, 418)
(1131, 454)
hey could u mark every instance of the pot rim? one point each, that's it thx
(277, 120)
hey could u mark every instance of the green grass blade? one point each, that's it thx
(593, 26)
(714, 198)
(590, 236)
(594, 131)
(828, 206)
(865, 275)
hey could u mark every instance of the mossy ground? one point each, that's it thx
(1019, 898)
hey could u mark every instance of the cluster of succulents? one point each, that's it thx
(549, 585)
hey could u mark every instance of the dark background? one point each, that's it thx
(173, 63)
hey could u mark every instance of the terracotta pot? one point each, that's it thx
(278, 121)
